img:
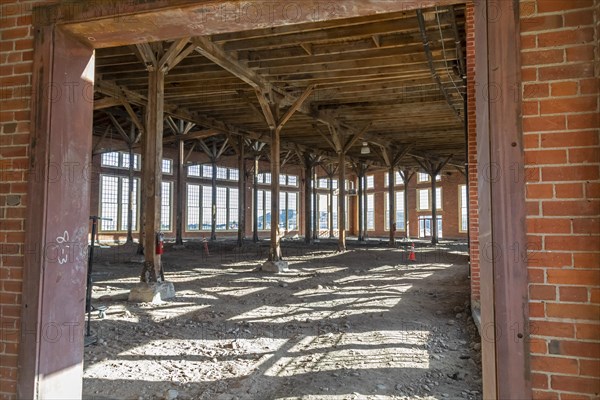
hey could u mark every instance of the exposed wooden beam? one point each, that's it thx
(434, 73)
(166, 62)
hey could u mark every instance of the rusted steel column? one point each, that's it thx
(57, 224)
(152, 173)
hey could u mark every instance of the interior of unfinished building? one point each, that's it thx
(380, 199)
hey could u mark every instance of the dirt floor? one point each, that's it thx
(365, 324)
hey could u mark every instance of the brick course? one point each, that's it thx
(562, 159)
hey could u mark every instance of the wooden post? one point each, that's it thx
(242, 192)
(180, 192)
(315, 215)
(213, 220)
(342, 202)
(152, 173)
(361, 211)
(365, 213)
(406, 178)
(392, 206)
(308, 168)
(130, 190)
(275, 252)
(330, 207)
(255, 202)
(56, 232)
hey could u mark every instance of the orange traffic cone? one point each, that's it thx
(412, 256)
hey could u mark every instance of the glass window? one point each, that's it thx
(292, 212)
(125, 161)
(193, 170)
(233, 217)
(399, 204)
(207, 171)
(206, 208)
(109, 202)
(323, 211)
(370, 181)
(114, 203)
(234, 174)
(165, 207)
(221, 173)
(462, 205)
(193, 207)
(334, 183)
(125, 203)
(423, 199)
(110, 159)
(422, 177)
(283, 179)
(438, 198)
(323, 183)
(221, 209)
(167, 166)
(371, 212)
(292, 180)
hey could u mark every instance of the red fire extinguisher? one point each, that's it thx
(160, 243)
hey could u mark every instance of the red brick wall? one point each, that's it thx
(472, 159)
(561, 133)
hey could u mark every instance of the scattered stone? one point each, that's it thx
(172, 394)
(381, 386)
(451, 322)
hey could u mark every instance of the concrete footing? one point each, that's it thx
(152, 292)
(275, 266)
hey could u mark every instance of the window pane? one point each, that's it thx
(167, 166)
(292, 180)
(267, 224)
(233, 209)
(165, 207)
(193, 170)
(323, 212)
(334, 183)
(110, 159)
(323, 183)
(221, 208)
(125, 204)
(400, 210)
(268, 178)
(206, 208)
(282, 179)
(221, 173)
(463, 208)
(282, 210)
(438, 198)
(193, 207)
(292, 208)
(207, 171)
(109, 202)
(260, 208)
(234, 174)
(370, 182)
(423, 199)
(370, 211)
(422, 177)
(334, 207)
